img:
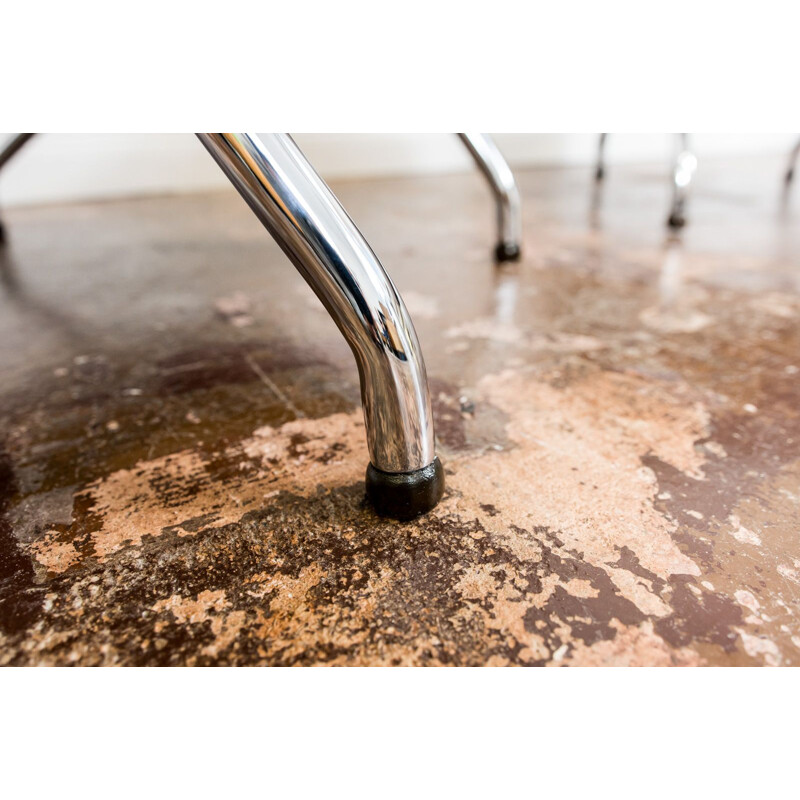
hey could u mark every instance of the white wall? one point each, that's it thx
(66, 167)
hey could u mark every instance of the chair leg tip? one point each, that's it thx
(405, 495)
(676, 221)
(507, 251)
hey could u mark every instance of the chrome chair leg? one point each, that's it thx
(600, 165)
(404, 477)
(13, 147)
(491, 163)
(792, 165)
(683, 169)
(6, 154)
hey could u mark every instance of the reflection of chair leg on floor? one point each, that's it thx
(491, 163)
(294, 204)
(683, 168)
(6, 154)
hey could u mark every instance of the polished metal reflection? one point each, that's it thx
(308, 222)
(491, 163)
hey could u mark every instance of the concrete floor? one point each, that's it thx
(182, 449)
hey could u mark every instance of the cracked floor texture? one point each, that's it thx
(182, 450)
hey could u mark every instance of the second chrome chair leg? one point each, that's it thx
(404, 477)
(491, 163)
(683, 169)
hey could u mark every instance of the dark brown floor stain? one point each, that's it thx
(20, 602)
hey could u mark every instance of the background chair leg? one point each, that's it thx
(791, 166)
(13, 147)
(404, 477)
(600, 165)
(491, 163)
(683, 169)
(6, 154)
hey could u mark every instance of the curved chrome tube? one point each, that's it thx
(313, 229)
(491, 163)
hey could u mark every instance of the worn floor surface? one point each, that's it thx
(182, 449)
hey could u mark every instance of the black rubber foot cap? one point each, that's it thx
(2, 234)
(507, 251)
(405, 495)
(676, 221)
